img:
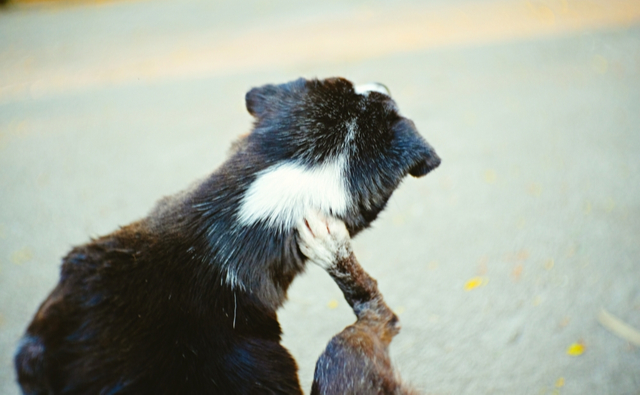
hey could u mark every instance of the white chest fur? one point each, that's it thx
(282, 194)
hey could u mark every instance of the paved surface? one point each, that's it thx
(498, 263)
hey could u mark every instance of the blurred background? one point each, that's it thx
(514, 267)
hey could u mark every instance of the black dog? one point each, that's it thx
(184, 301)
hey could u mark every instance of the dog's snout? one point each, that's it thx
(429, 162)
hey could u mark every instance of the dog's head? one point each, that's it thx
(331, 146)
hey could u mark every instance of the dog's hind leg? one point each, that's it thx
(356, 361)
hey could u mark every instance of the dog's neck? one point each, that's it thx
(282, 194)
(242, 220)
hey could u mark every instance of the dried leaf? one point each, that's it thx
(576, 349)
(517, 272)
(475, 283)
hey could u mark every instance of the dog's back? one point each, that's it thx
(130, 316)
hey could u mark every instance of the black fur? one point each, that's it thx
(184, 301)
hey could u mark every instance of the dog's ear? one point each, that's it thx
(261, 100)
(258, 99)
(338, 85)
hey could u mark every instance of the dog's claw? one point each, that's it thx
(324, 240)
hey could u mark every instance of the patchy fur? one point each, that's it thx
(184, 301)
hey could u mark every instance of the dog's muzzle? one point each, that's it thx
(429, 162)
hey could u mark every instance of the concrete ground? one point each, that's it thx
(499, 263)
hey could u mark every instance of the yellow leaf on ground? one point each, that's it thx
(576, 349)
(332, 304)
(560, 382)
(474, 283)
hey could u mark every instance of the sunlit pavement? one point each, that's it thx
(499, 263)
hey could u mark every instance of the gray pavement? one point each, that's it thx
(497, 263)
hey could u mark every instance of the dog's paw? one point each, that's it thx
(324, 240)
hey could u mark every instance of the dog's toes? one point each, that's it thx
(337, 229)
(317, 223)
(324, 240)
